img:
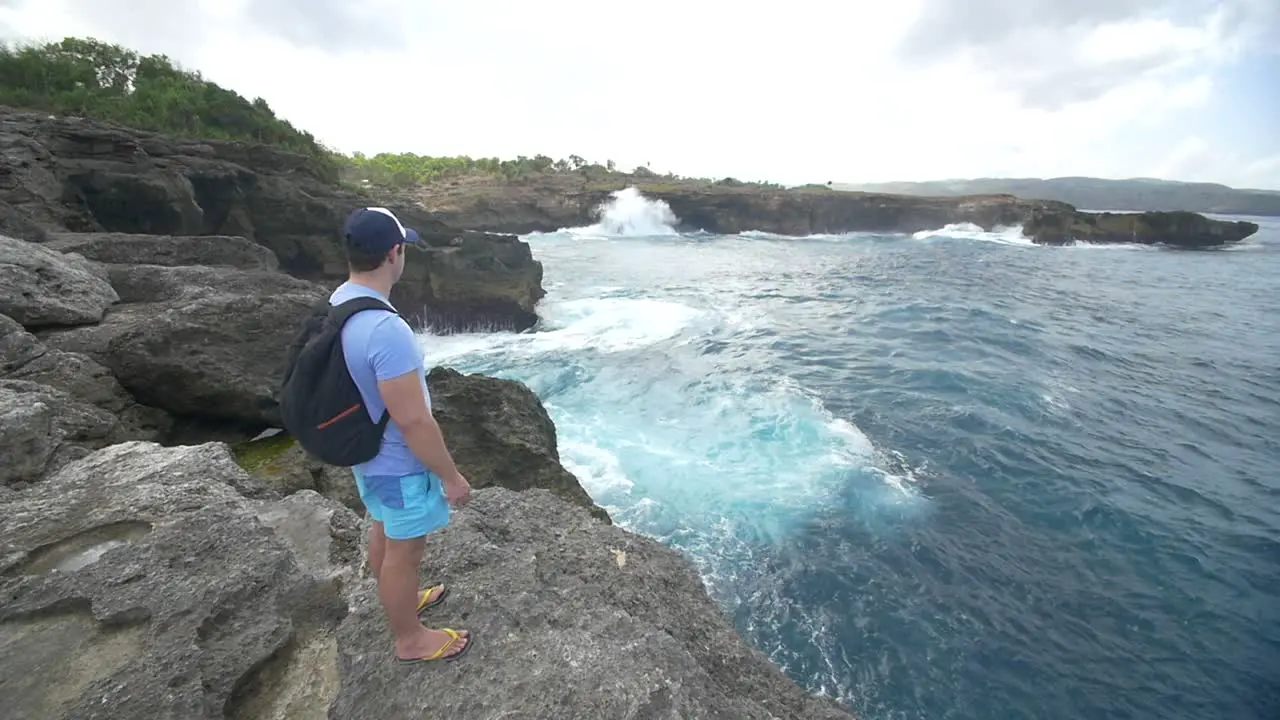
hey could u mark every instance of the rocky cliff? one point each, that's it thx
(61, 175)
(196, 578)
(150, 582)
(1175, 229)
(548, 202)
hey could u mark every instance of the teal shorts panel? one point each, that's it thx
(408, 506)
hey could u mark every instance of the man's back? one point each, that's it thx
(379, 346)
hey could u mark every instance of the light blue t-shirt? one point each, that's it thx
(380, 346)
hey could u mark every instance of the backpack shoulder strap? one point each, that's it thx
(343, 311)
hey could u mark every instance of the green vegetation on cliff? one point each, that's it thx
(408, 169)
(89, 78)
(404, 170)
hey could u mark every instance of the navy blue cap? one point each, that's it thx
(377, 230)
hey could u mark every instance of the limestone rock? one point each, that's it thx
(500, 434)
(84, 176)
(167, 250)
(24, 357)
(40, 287)
(199, 341)
(26, 434)
(149, 587)
(42, 428)
(571, 618)
(158, 283)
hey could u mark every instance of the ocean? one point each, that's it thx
(941, 475)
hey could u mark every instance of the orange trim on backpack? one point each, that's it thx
(339, 416)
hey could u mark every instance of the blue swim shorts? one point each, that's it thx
(408, 506)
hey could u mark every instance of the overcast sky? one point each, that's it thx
(794, 91)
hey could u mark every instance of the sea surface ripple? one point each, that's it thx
(941, 475)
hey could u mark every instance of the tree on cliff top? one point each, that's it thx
(98, 80)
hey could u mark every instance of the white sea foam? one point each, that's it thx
(602, 325)
(628, 213)
(969, 231)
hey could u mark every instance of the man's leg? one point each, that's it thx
(377, 536)
(398, 590)
(413, 509)
(377, 549)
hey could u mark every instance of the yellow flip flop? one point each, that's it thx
(454, 637)
(424, 605)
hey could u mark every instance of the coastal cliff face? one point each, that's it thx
(204, 581)
(156, 571)
(61, 175)
(550, 202)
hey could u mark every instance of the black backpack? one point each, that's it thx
(320, 405)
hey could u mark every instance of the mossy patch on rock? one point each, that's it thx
(281, 464)
(256, 454)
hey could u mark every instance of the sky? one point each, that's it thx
(791, 92)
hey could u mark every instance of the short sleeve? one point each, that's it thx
(394, 349)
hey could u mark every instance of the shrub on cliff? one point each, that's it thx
(90, 78)
(402, 170)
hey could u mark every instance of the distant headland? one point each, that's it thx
(1097, 193)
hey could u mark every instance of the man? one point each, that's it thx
(410, 485)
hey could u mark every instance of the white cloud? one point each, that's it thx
(1194, 155)
(801, 91)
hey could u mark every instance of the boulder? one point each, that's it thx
(42, 428)
(146, 582)
(57, 406)
(477, 281)
(570, 618)
(83, 176)
(500, 434)
(205, 342)
(43, 288)
(24, 357)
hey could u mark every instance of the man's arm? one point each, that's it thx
(408, 407)
(397, 363)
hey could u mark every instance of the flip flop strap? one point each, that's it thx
(453, 638)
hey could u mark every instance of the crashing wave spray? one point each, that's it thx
(631, 214)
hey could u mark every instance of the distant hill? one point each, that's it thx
(1098, 194)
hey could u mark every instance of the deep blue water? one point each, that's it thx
(948, 475)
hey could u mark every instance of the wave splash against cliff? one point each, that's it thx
(630, 214)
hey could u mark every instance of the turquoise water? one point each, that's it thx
(948, 475)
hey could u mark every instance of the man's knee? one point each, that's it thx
(405, 550)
